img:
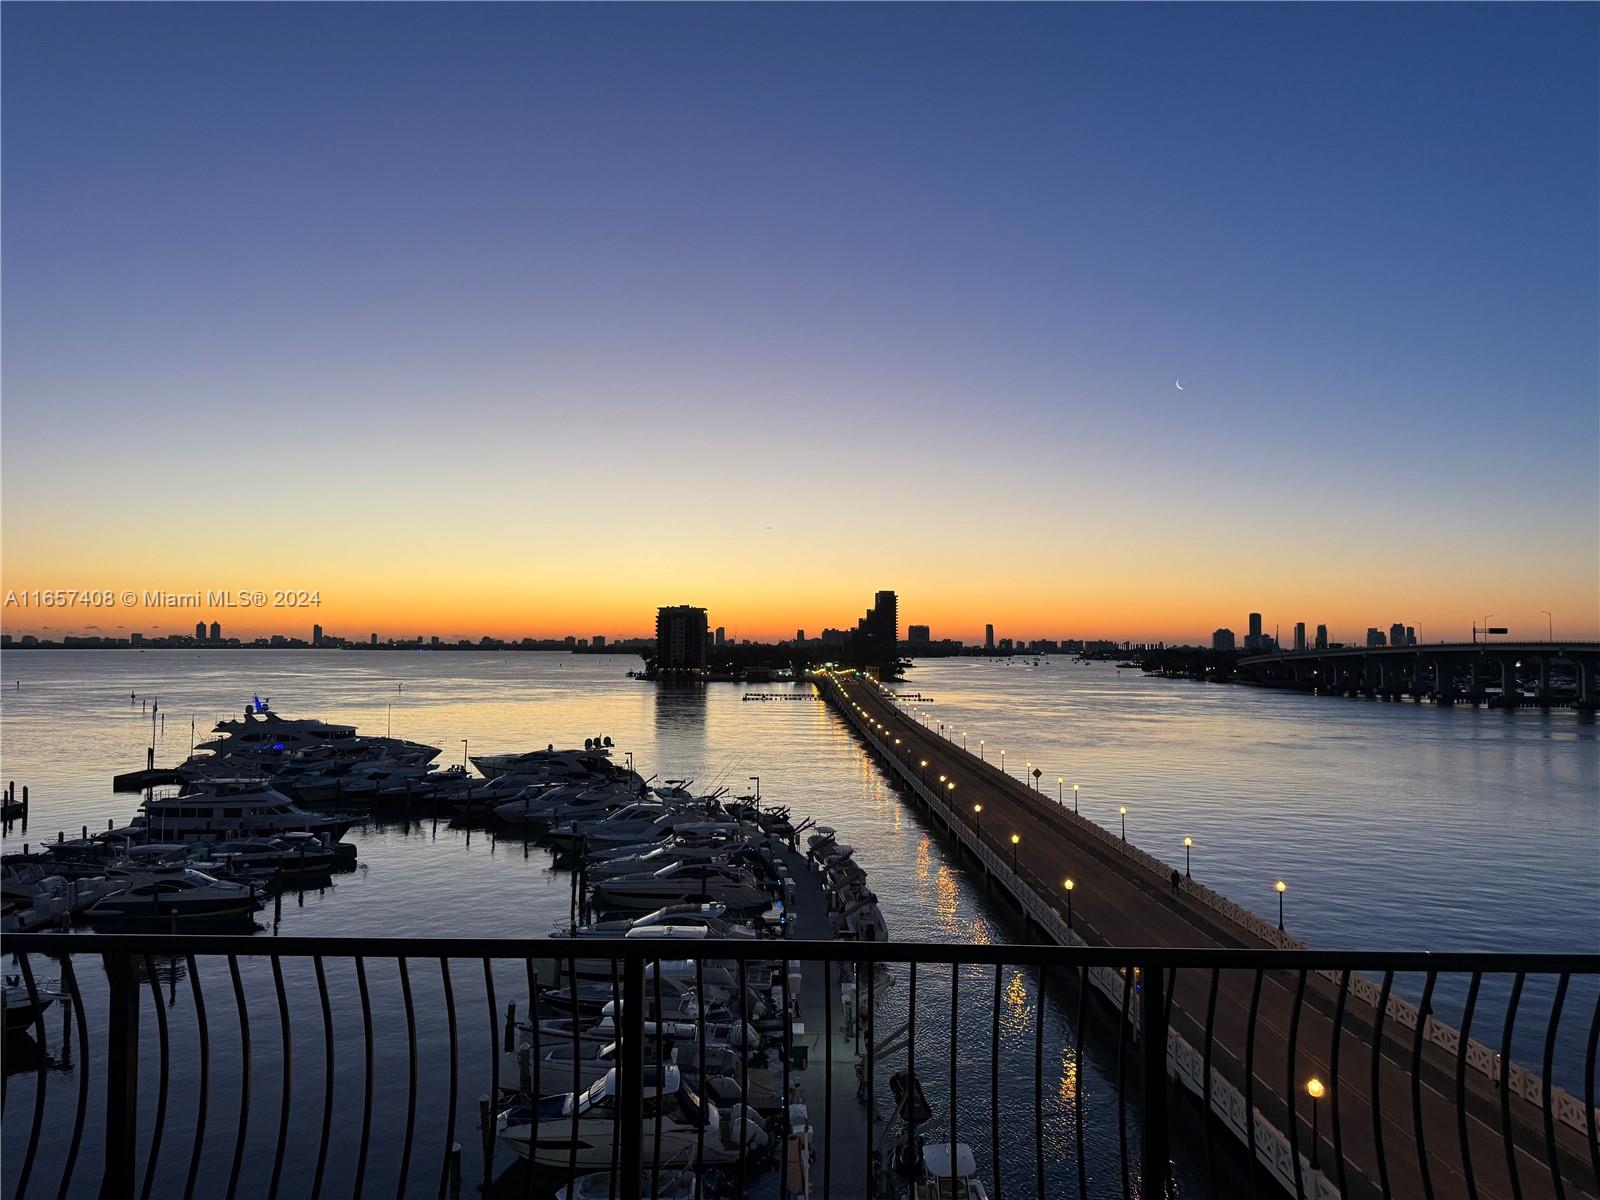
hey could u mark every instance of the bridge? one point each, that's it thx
(1415, 1107)
(1497, 674)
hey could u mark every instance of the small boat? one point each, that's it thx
(663, 1185)
(21, 1009)
(582, 1128)
(734, 888)
(946, 1176)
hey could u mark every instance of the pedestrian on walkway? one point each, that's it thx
(1177, 882)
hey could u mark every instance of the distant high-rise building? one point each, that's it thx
(722, 636)
(800, 637)
(834, 637)
(433, 640)
(1374, 637)
(878, 632)
(1411, 635)
(598, 642)
(1252, 640)
(681, 639)
(1222, 639)
(918, 635)
(316, 635)
(374, 639)
(1299, 635)
(216, 631)
(1322, 637)
(988, 637)
(1397, 635)
(199, 631)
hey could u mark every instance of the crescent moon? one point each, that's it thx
(1180, 386)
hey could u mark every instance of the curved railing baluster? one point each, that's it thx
(1335, 1086)
(1208, 1115)
(1589, 1057)
(1549, 1071)
(69, 978)
(450, 1110)
(327, 1076)
(871, 1092)
(1376, 1096)
(1505, 1084)
(661, 1068)
(742, 1011)
(1253, 1164)
(287, 1040)
(487, 1135)
(911, 1066)
(163, 1075)
(198, 993)
(534, 1055)
(1038, 1088)
(411, 1072)
(827, 1077)
(1291, 1095)
(1419, 1136)
(994, 1083)
(367, 1075)
(577, 1060)
(1122, 1074)
(37, 1124)
(1078, 1084)
(243, 1009)
(1461, 1082)
(700, 1038)
(955, 986)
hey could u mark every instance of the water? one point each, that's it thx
(1397, 826)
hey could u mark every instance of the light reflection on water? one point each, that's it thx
(1389, 820)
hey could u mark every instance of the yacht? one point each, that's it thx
(641, 828)
(555, 766)
(231, 808)
(581, 1128)
(734, 888)
(694, 850)
(264, 741)
(172, 895)
(294, 855)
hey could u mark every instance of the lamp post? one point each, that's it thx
(1069, 885)
(1015, 838)
(1187, 843)
(1060, 780)
(977, 819)
(1282, 888)
(1027, 770)
(923, 770)
(963, 740)
(1549, 625)
(1315, 1090)
(980, 750)
(1002, 761)
(1122, 810)
(1074, 799)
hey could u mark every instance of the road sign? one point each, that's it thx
(1500, 629)
(1037, 772)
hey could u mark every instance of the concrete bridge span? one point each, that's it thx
(1498, 674)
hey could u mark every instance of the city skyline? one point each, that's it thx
(475, 319)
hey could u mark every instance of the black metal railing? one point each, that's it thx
(332, 1066)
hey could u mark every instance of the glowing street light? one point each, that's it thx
(1027, 770)
(1282, 888)
(1315, 1090)
(1060, 780)
(977, 818)
(1123, 811)
(980, 750)
(1015, 838)
(1188, 842)
(963, 739)
(923, 770)
(1069, 885)
(1074, 799)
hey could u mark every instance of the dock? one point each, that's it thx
(1028, 843)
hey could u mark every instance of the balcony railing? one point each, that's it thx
(220, 1066)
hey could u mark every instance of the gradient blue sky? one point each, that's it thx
(524, 319)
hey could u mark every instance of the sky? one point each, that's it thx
(522, 320)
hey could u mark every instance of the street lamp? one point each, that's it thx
(1074, 799)
(923, 770)
(977, 818)
(1002, 760)
(1549, 624)
(1069, 885)
(1282, 888)
(980, 750)
(1060, 780)
(951, 786)
(1027, 770)
(1015, 838)
(1315, 1090)
(963, 739)
(1188, 842)
(1123, 811)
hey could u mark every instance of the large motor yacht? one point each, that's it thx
(232, 809)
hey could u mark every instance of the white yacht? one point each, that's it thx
(734, 888)
(245, 807)
(559, 1129)
(555, 766)
(263, 735)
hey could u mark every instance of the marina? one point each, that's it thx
(827, 870)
